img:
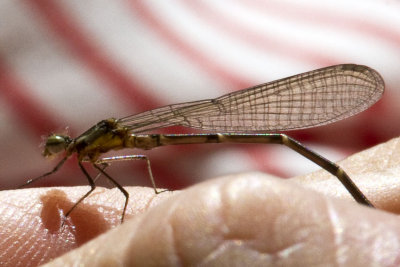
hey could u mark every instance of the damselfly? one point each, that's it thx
(305, 100)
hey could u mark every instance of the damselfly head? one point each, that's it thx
(56, 143)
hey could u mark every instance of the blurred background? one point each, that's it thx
(73, 63)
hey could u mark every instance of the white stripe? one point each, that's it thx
(167, 74)
(56, 78)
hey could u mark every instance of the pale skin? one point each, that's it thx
(242, 220)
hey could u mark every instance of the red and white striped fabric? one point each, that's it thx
(73, 63)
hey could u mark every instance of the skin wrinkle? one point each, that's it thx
(140, 224)
(19, 207)
(230, 201)
(58, 242)
(116, 212)
(282, 253)
(98, 253)
(285, 216)
(391, 157)
(378, 245)
(261, 257)
(311, 219)
(286, 252)
(211, 256)
(20, 247)
(35, 228)
(232, 205)
(29, 207)
(279, 254)
(337, 232)
(179, 258)
(387, 161)
(301, 241)
(221, 212)
(36, 246)
(8, 248)
(154, 197)
(38, 252)
(245, 242)
(6, 239)
(20, 237)
(220, 250)
(380, 234)
(375, 242)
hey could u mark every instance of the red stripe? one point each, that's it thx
(267, 166)
(93, 61)
(182, 47)
(230, 26)
(260, 41)
(322, 17)
(317, 16)
(72, 35)
(106, 70)
(235, 29)
(24, 105)
(28, 110)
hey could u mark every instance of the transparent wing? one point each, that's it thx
(305, 100)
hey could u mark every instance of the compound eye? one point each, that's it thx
(55, 144)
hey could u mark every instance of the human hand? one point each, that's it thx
(247, 219)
